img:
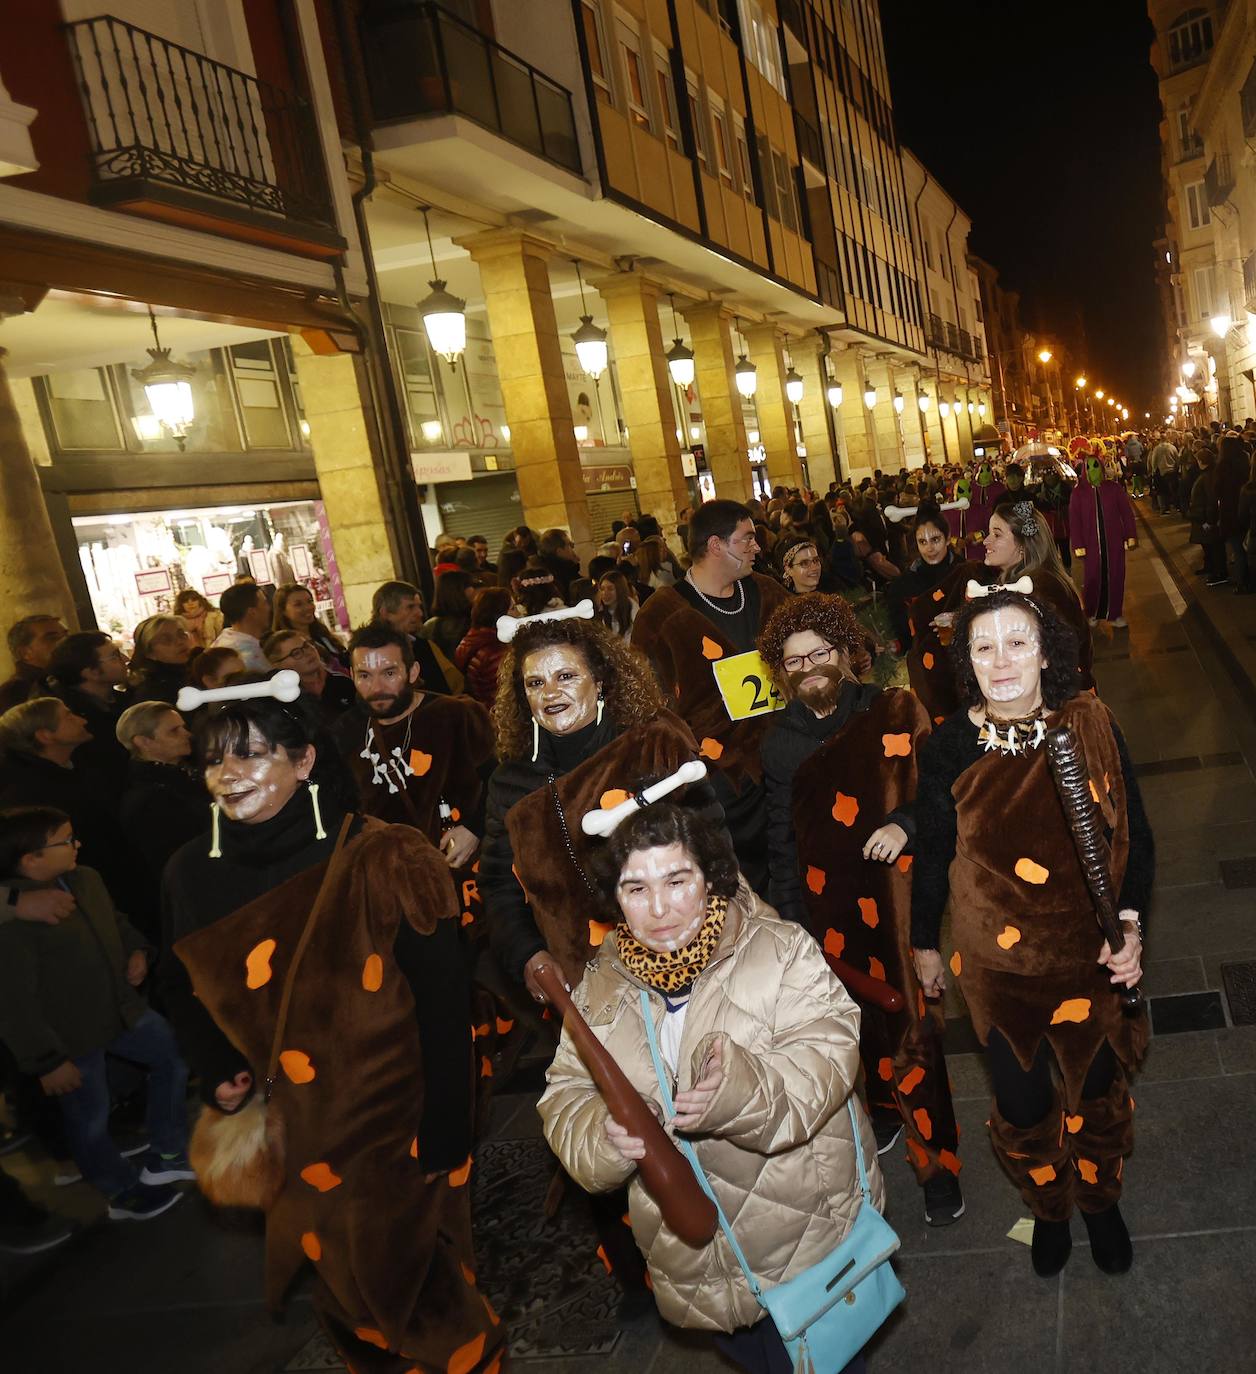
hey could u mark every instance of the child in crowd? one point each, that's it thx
(69, 995)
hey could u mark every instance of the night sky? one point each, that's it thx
(1044, 126)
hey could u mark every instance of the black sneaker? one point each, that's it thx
(66, 1172)
(160, 1168)
(142, 1203)
(944, 1203)
(887, 1130)
(43, 1232)
(1110, 1244)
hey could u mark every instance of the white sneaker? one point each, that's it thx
(1120, 623)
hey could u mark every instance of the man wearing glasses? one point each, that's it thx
(839, 763)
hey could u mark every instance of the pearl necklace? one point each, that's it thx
(741, 587)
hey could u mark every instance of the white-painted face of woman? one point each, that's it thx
(930, 544)
(561, 689)
(663, 896)
(1005, 649)
(257, 785)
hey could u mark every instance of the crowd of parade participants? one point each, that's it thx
(752, 791)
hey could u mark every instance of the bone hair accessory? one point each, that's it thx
(896, 513)
(508, 626)
(604, 822)
(283, 686)
(974, 591)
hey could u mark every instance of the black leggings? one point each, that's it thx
(1024, 1099)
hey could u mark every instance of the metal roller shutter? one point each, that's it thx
(489, 505)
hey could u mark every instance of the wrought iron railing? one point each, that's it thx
(965, 344)
(163, 114)
(1249, 283)
(952, 337)
(1247, 102)
(935, 335)
(1218, 179)
(423, 60)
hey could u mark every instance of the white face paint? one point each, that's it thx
(255, 786)
(561, 690)
(1005, 648)
(663, 896)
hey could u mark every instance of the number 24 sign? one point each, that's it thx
(746, 686)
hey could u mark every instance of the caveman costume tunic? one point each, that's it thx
(1026, 943)
(392, 1251)
(860, 911)
(929, 661)
(1101, 527)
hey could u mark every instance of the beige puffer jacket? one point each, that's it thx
(776, 1140)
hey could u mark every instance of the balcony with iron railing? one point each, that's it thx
(1218, 179)
(1249, 283)
(422, 61)
(177, 136)
(1247, 103)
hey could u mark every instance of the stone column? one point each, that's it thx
(32, 580)
(854, 419)
(348, 473)
(889, 434)
(964, 424)
(645, 387)
(514, 271)
(813, 411)
(726, 444)
(776, 411)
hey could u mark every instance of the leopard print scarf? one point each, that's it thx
(673, 970)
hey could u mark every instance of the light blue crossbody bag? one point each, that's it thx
(829, 1312)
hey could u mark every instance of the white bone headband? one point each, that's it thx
(974, 591)
(508, 626)
(284, 686)
(604, 822)
(896, 513)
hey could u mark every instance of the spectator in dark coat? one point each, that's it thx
(159, 665)
(1232, 471)
(31, 642)
(88, 673)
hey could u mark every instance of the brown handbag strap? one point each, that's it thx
(285, 999)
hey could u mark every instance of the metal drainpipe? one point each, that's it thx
(825, 351)
(402, 493)
(950, 271)
(937, 368)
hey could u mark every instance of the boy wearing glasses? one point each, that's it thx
(69, 996)
(839, 763)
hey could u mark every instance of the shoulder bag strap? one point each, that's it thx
(285, 999)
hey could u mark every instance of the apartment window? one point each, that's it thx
(926, 239)
(1189, 142)
(1202, 281)
(595, 42)
(667, 98)
(634, 77)
(697, 116)
(786, 193)
(758, 34)
(769, 176)
(723, 148)
(1196, 205)
(743, 163)
(1190, 38)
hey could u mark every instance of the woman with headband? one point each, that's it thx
(317, 986)
(1039, 978)
(930, 536)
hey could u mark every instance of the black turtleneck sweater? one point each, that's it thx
(256, 858)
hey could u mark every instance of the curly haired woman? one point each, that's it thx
(840, 767)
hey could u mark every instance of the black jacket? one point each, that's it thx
(164, 806)
(160, 682)
(102, 752)
(794, 736)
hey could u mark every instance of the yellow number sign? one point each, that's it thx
(746, 686)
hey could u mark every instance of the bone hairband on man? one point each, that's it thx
(604, 822)
(508, 626)
(896, 513)
(283, 686)
(1024, 586)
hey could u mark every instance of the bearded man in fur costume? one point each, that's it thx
(839, 763)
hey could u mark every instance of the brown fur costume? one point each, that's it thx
(392, 1251)
(860, 911)
(567, 913)
(928, 659)
(682, 644)
(1026, 945)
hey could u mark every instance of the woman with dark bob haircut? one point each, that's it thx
(1035, 970)
(760, 1043)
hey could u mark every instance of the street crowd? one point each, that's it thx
(342, 893)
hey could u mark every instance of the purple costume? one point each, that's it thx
(1101, 527)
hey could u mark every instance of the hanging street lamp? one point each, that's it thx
(590, 341)
(168, 389)
(444, 314)
(794, 386)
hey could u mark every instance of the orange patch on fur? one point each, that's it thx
(1094, 792)
(1043, 1175)
(876, 969)
(1007, 937)
(710, 649)
(957, 964)
(928, 660)
(868, 911)
(924, 1123)
(845, 809)
(479, 1032)
(296, 1064)
(504, 1027)
(903, 863)
(911, 1080)
(466, 1357)
(711, 749)
(815, 879)
(373, 973)
(257, 972)
(420, 762)
(467, 1273)
(601, 1254)
(321, 1176)
(939, 594)
(312, 1246)
(949, 1161)
(1071, 1009)
(896, 746)
(414, 1148)
(917, 1153)
(488, 1307)
(486, 1066)
(1074, 1124)
(371, 1336)
(598, 931)
(467, 919)
(1029, 872)
(612, 798)
(885, 1069)
(457, 1177)
(937, 720)
(834, 942)
(1088, 1170)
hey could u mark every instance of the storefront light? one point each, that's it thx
(305, 429)
(581, 432)
(793, 386)
(506, 434)
(1188, 368)
(695, 432)
(591, 349)
(168, 389)
(147, 428)
(898, 402)
(433, 431)
(680, 363)
(752, 437)
(835, 394)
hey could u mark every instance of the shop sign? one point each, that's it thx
(214, 584)
(302, 564)
(259, 567)
(442, 467)
(607, 477)
(153, 582)
(689, 464)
